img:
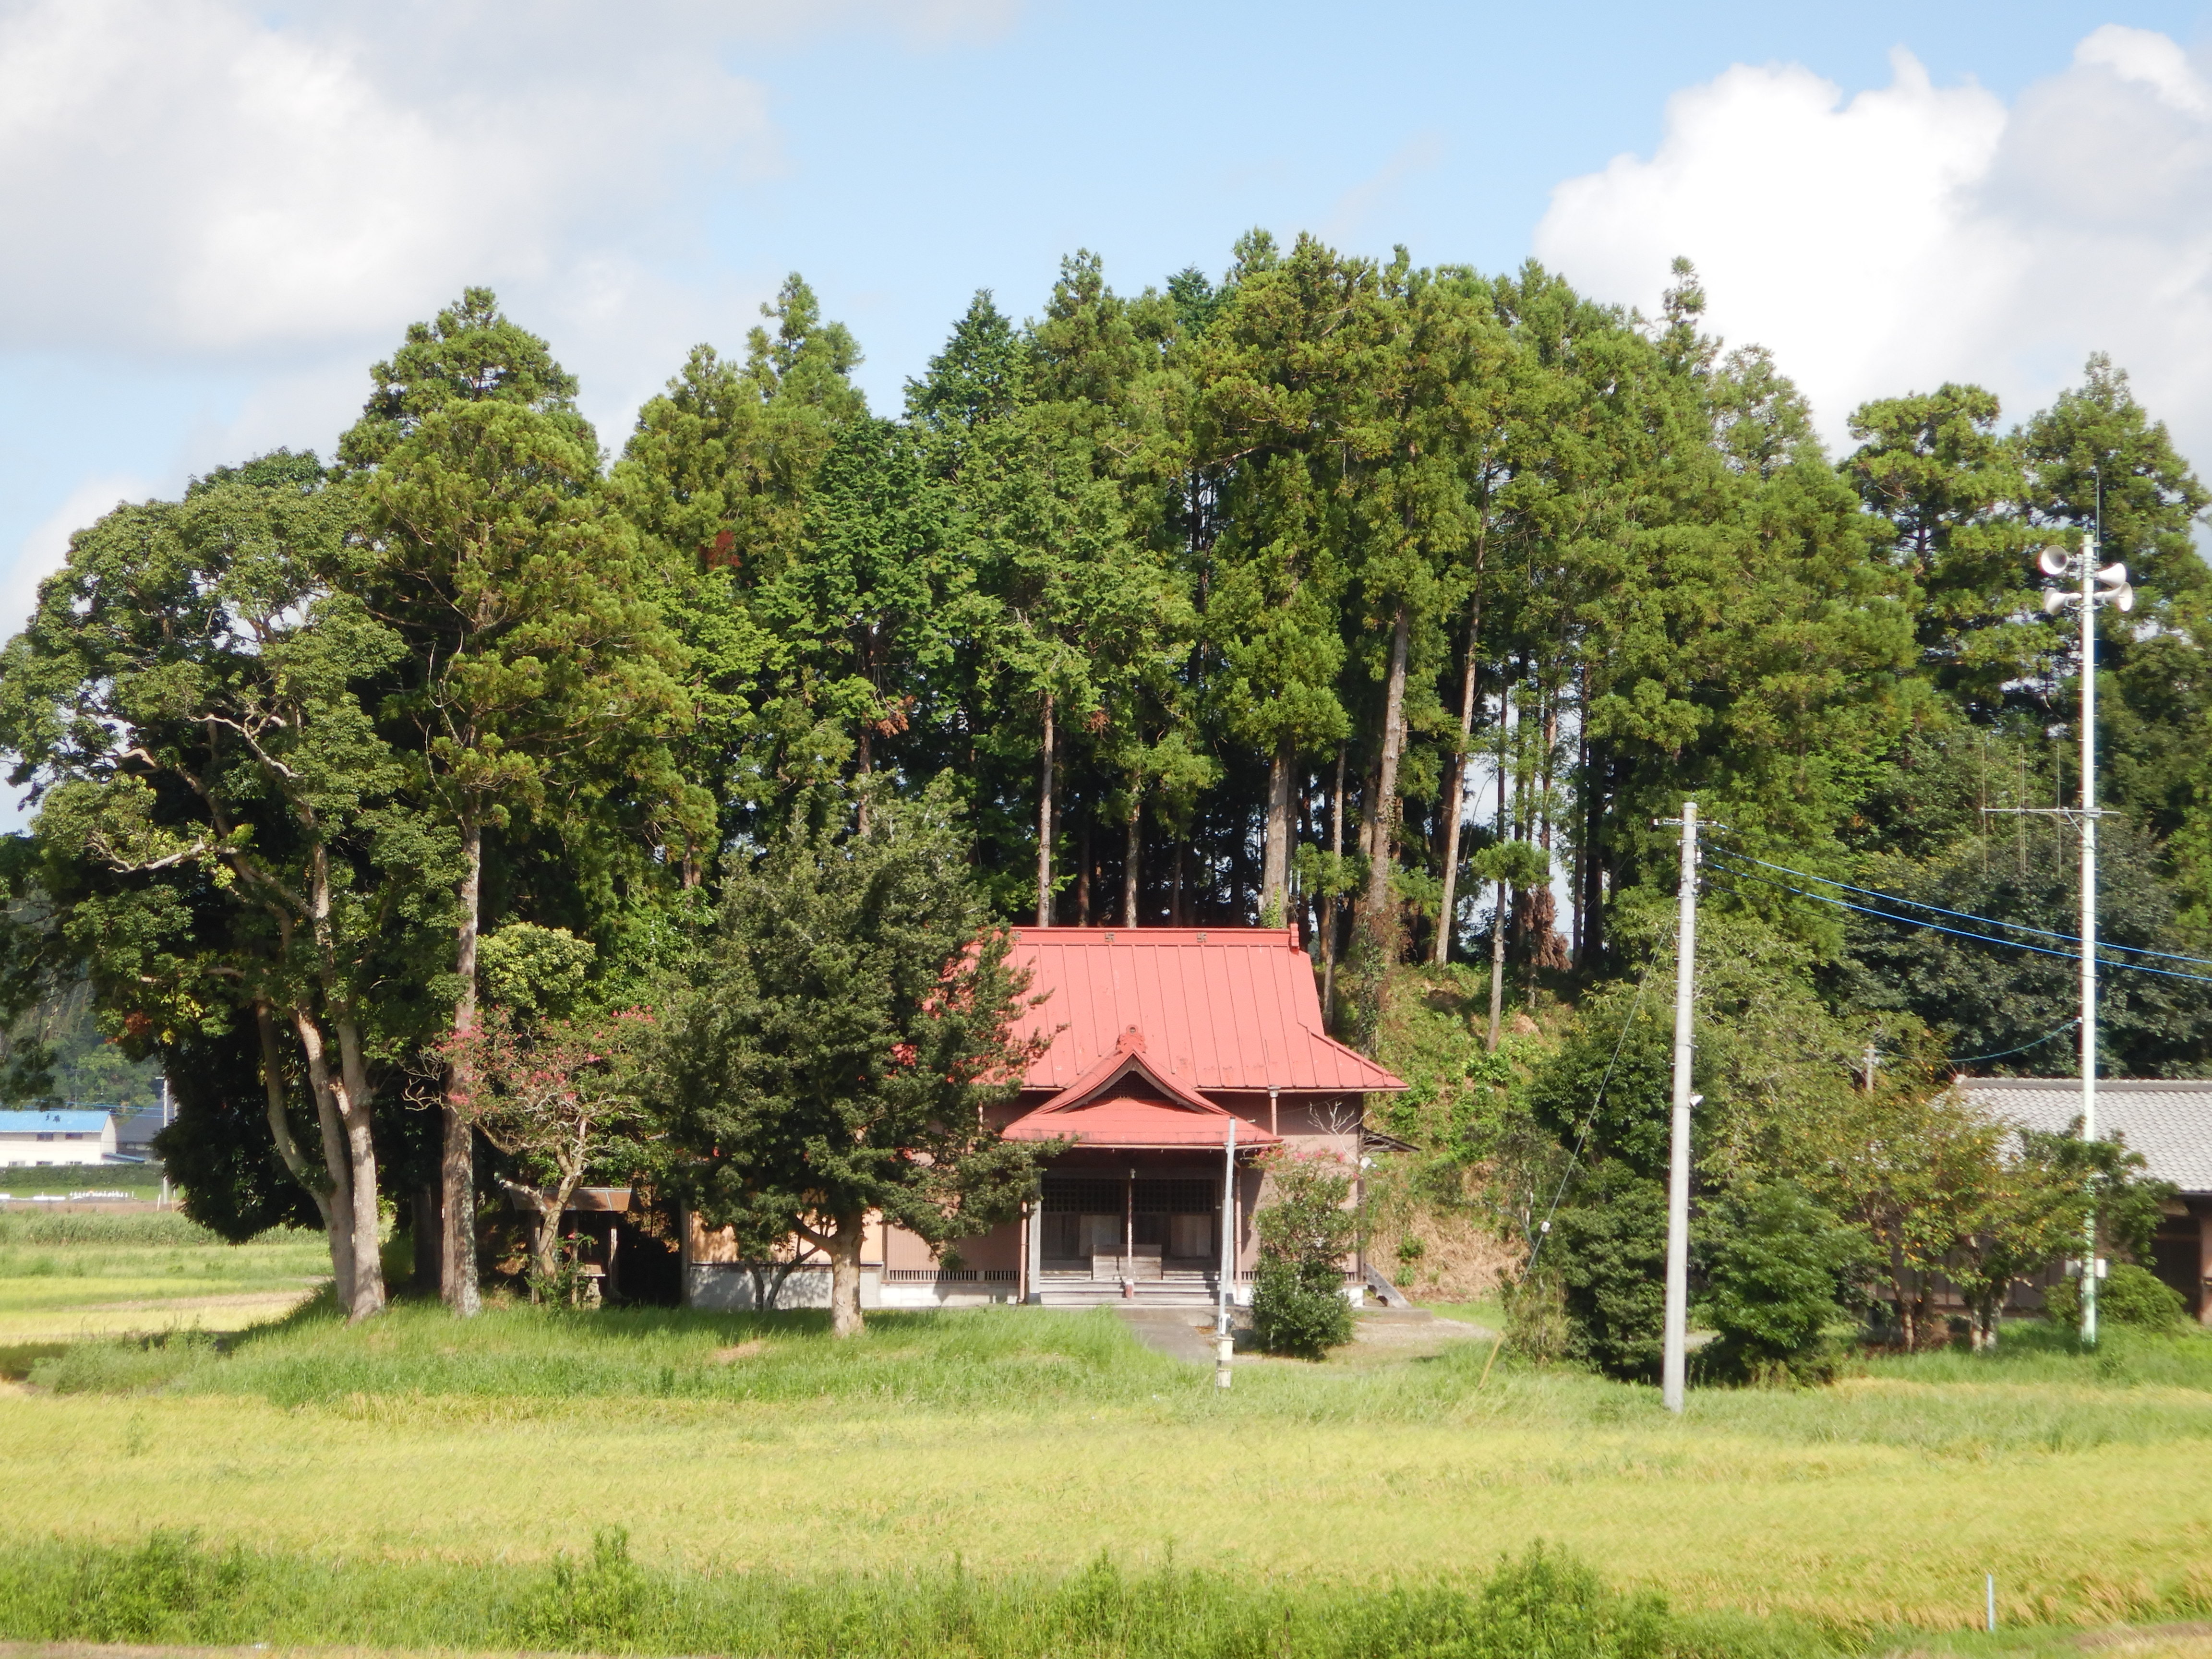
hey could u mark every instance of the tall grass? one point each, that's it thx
(83, 1227)
(2036, 1395)
(169, 1590)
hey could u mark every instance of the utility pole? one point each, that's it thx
(2091, 586)
(1224, 1344)
(1672, 1367)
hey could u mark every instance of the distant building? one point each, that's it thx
(36, 1138)
(2170, 1123)
(135, 1131)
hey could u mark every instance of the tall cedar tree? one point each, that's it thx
(536, 667)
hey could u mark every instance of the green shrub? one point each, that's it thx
(2129, 1296)
(1777, 1269)
(1609, 1249)
(592, 1606)
(1297, 1301)
(1299, 1309)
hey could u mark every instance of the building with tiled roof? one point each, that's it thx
(2169, 1123)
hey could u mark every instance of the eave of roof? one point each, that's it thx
(1137, 1126)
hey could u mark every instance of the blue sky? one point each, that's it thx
(218, 214)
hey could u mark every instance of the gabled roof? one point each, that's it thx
(1127, 1060)
(1099, 1109)
(2170, 1123)
(64, 1122)
(1221, 1008)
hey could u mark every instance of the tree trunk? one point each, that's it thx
(1455, 782)
(428, 1230)
(1384, 816)
(1083, 872)
(337, 1219)
(1129, 864)
(350, 1159)
(457, 1163)
(1592, 896)
(1502, 918)
(357, 1119)
(866, 765)
(1498, 960)
(1044, 823)
(1275, 876)
(1328, 904)
(1582, 841)
(845, 1275)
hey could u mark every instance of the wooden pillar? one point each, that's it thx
(2203, 1208)
(1129, 1226)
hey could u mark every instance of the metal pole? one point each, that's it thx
(1678, 1174)
(2089, 920)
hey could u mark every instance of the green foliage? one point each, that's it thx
(171, 1590)
(538, 972)
(849, 1021)
(2127, 1295)
(1609, 1249)
(1777, 1271)
(1305, 1229)
(1300, 1310)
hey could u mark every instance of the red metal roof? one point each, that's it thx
(1128, 1060)
(1137, 1126)
(1220, 1008)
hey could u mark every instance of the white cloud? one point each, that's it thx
(45, 548)
(179, 175)
(1916, 234)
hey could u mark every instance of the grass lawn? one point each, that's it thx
(1021, 1444)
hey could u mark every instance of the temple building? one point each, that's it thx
(1174, 1058)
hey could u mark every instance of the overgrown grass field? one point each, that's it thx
(67, 1274)
(1009, 1448)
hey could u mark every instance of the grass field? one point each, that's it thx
(69, 1274)
(1013, 1447)
(140, 1180)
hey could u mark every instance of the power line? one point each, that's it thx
(1976, 1060)
(1960, 932)
(1964, 915)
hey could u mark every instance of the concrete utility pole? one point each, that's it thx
(1678, 1173)
(1224, 1344)
(2091, 586)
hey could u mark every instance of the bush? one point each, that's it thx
(1777, 1269)
(1610, 1251)
(1298, 1304)
(2129, 1296)
(1300, 1310)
